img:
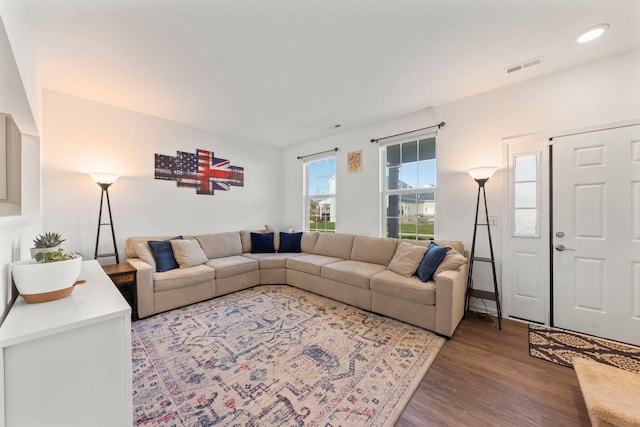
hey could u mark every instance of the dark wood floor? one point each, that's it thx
(485, 377)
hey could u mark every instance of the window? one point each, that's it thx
(525, 201)
(320, 194)
(409, 191)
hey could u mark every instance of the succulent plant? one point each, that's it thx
(54, 256)
(48, 240)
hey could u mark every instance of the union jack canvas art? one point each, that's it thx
(202, 171)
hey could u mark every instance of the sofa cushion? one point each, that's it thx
(406, 288)
(354, 273)
(373, 249)
(310, 263)
(182, 277)
(453, 261)
(407, 259)
(163, 254)
(188, 253)
(219, 245)
(308, 241)
(334, 245)
(232, 265)
(268, 261)
(262, 243)
(431, 260)
(290, 242)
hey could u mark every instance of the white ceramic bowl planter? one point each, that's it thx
(41, 282)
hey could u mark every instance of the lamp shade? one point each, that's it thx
(103, 178)
(483, 172)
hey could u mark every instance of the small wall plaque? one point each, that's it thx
(354, 159)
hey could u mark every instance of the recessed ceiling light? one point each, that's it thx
(592, 33)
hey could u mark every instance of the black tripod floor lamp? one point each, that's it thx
(481, 175)
(105, 181)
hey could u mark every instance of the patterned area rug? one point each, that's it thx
(276, 356)
(560, 346)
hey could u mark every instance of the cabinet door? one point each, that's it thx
(3, 157)
(74, 378)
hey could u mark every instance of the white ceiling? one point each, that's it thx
(282, 72)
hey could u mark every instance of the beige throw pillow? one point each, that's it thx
(407, 259)
(452, 261)
(144, 253)
(188, 253)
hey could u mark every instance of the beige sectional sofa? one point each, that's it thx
(356, 270)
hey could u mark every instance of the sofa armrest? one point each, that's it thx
(144, 284)
(451, 290)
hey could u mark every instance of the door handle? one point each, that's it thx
(562, 248)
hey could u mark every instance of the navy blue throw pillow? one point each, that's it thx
(431, 260)
(262, 243)
(290, 242)
(163, 254)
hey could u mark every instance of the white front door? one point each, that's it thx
(596, 233)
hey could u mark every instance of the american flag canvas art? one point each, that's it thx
(202, 171)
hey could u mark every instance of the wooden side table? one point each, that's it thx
(123, 275)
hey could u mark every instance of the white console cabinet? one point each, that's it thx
(68, 362)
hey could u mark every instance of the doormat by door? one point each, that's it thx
(560, 346)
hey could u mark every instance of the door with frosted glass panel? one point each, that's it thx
(526, 264)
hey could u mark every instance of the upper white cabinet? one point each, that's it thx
(10, 166)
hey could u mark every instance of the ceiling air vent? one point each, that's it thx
(524, 65)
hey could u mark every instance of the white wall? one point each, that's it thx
(17, 231)
(16, 35)
(599, 92)
(357, 193)
(81, 136)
